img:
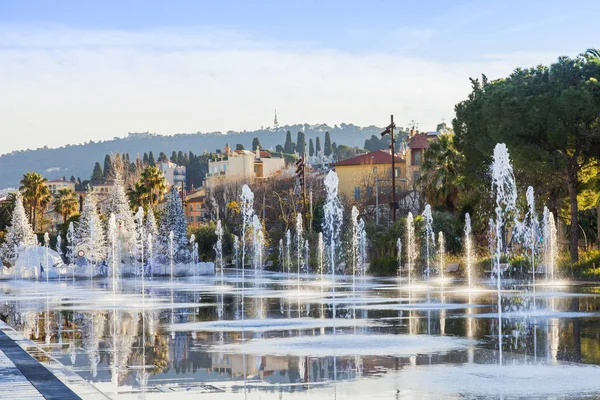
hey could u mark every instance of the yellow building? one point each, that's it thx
(359, 175)
(57, 184)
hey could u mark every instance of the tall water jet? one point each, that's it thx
(399, 256)
(530, 234)
(503, 185)
(113, 252)
(140, 239)
(468, 248)
(46, 247)
(332, 225)
(411, 247)
(442, 255)
(150, 244)
(288, 250)
(219, 262)
(355, 251)
(247, 209)
(299, 242)
(71, 248)
(550, 244)
(258, 247)
(59, 250)
(236, 251)
(171, 256)
(219, 250)
(429, 241)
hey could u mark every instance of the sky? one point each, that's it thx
(75, 71)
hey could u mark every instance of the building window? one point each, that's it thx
(357, 192)
(369, 191)
(198, 207)
(192, 219)
(191, 207)
(197, 218)
(417, 158)
(397, 174)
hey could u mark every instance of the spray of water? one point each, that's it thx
(411, 246)
(468, 249)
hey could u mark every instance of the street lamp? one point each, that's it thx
(389, 130)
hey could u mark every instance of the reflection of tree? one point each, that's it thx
(123, 334)
(92, 329)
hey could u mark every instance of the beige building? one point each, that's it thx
(357, 175)
(242, 166)
(57, 184)
(174, 174)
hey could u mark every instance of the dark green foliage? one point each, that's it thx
(97, 174)
(289, 146)
(151, 160)
(255, 144)
(239, 146)
(318, 145)
(108, 169)
(311, 148)
(301, 143)
(327, 145)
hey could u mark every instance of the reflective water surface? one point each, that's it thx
(190, 336)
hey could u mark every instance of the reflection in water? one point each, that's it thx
(129, 346)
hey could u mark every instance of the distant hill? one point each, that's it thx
(78, 160)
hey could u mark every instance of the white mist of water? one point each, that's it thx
(550, 243)
(399, 255)
(288, 251)
(411, 247)
(503, 185)
(332, 226)
(299, 243)
(468, 249)
(442, 254)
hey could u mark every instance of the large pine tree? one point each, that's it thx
(173, 219)
(118, 204)
(19, 233)
(97, 174)
(89, 234)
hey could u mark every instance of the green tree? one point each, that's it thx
(36, 196)
(154, 182)
(327, 145)
(288, 146)
(311, 147)
(108, 172)
(162, 157)
(255, 144)
(549, 119)
(173, 157)
(239, 147)
(151, 160)
(145, 158)
(441, 178)
(318, 145)
(97, 174)
(301, 143)
(66, 203)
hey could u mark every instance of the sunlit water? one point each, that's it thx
(131, 345)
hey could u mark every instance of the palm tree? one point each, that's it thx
(66, 203)
(138, 196)
(152, 178)
(440, 173)
(594, 53)
(36, 195)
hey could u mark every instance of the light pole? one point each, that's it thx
(389, 130)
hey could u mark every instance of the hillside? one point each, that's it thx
(78, 160)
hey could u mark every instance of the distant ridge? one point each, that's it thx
(78, 160)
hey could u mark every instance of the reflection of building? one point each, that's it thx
(195, 210)
(242, 165)
(174, 174)
(57, 184)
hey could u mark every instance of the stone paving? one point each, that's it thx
(22, 376)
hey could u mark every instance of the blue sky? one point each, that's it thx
(156, 65)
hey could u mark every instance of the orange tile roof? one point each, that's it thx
(419, 141)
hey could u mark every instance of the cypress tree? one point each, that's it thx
(173, 157)
(151, 161)
(311, 147)
(255, 144)
(145, 158)
(97, 174)
(327, 145)
(301, 142)
(108, 170)
(318, 146)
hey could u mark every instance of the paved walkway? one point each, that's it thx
(23, 377)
